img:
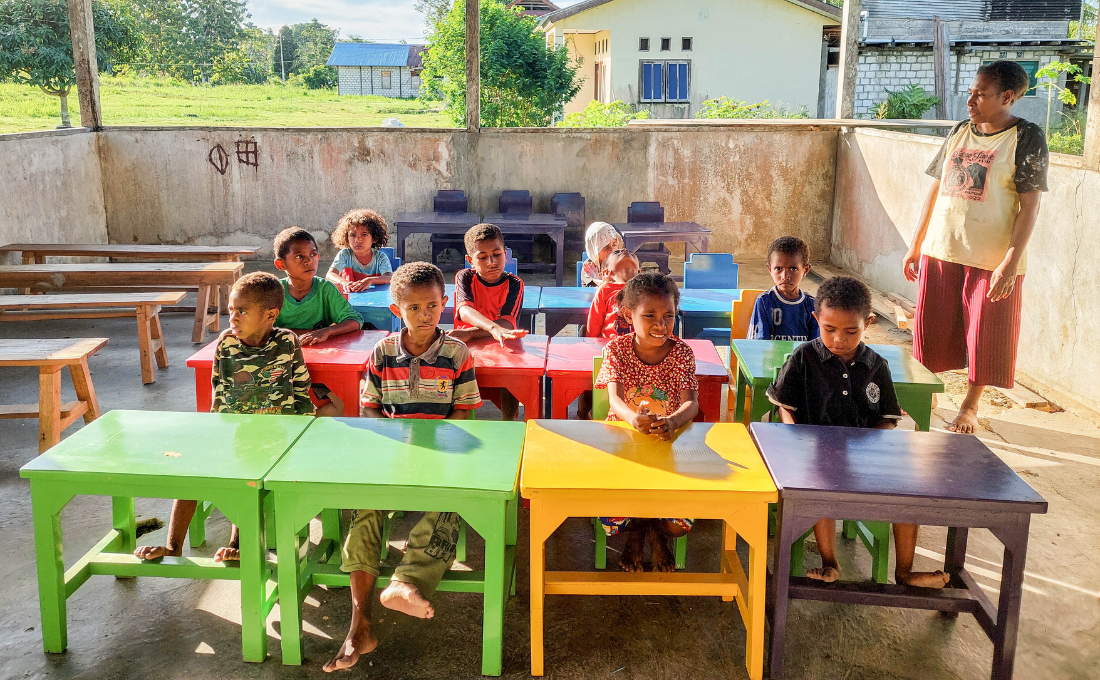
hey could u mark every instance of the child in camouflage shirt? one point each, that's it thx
(257, 369)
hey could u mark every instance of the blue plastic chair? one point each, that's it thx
(510, 265)
(710, 270)
(391, 254)
(580, 268)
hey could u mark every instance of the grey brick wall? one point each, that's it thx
(357, 81)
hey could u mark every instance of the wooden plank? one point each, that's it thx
(641, 583)
(941, 64)
(82, 34)
(47, 352)
(849, 60)
(58, 276)
(137, 250)
(1092, 124)
(10, 315)
(91, 300)
(14, 411)
(900, 318)
(473, 66)
(959, 600)
(1025, 398)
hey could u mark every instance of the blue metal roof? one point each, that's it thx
(368, 54)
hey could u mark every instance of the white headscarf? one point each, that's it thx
(597, 237)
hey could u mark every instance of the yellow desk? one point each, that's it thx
(576, 468)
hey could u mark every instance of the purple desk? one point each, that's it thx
(533, 224)
(928, 478)
(408, 223)
(637, 234)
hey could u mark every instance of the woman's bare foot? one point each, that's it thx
(966, 422)
(360, 640)
(935, 400)
(406, 598)
(924, 579)
(659, 539)
(827, 573)
(227, 554)
(155, 552)
(633, 557)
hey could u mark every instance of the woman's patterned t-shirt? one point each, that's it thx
(657, 387)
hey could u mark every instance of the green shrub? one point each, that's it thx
(320, 78)
(724, 107)
(615, 114)
(1065, 142)
(911, 102)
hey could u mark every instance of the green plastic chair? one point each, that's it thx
(600, 406)
(875, 536)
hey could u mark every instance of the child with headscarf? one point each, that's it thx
(600, 240)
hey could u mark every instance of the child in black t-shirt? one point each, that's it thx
(837, 380)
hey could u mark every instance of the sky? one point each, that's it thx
(372, 19)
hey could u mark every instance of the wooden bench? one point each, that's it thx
(208, 277)
(50, 356)
(145, 306)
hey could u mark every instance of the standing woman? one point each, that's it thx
(972, 237)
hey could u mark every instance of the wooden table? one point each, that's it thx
(569, 372)
(531, 225)
(409, 223)
(575, 468)
(705, 308)
(565, 305)
(50, 356)
(338, 364)
(465, 466)
(758, 359)
(209, 278)
(374, 306)
(637, 234)
(936, 479)
(157, 454)
(144, 306)
(517, 367)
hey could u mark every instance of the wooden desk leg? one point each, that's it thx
(539, 534)
(288, 544)
(145, 345)
(918, 404)
(85, 391)
(249, 520)
(125, 523)
(201, 311)
(160, 350)
(757, 539)
(490, 522)
(49, 406)
(788, 529)
(1008, 605)
(46, 510)
(710, 402)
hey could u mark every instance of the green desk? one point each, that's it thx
(758, 359)
(156, 454)
(470, 467)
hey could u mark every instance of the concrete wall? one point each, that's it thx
(50, 189)
(881, 185)
(747, 185)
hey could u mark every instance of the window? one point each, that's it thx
(643, 44)
(386, 81)
(665, 81)
(1031, 67)
(685, 44)
(666, 44)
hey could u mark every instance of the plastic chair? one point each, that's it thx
(710, 270)
(580, 268)
(649, 211)
(391, 255)
(572, 207)
(515, 202)
(510, 265)
(450, 200)
(601, 404)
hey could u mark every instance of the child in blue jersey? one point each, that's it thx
(785, 312)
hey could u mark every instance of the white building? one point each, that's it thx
(375, 68)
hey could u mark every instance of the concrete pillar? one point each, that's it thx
(822, 78)
(1092, 127)
(87, 71)
(849, 60)
(941, 51)
(473, 65)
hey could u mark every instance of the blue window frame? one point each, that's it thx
(664, 81)
(677, 81)
(653, 81)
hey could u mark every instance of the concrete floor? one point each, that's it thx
(163, 628)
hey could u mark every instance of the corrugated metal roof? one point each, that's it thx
(1036, 10)
(950, 10)
(370, 54)
(815, 6)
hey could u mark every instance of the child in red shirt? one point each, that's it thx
(605, 320)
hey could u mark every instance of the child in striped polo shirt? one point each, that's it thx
(420, 372)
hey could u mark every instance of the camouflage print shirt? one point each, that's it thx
(271, 378)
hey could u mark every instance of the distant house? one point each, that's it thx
(534, 8)
(897, 37)
(376, 68)
(671, 56)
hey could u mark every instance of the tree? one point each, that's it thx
(524, 82)
(314, 42)
(36, 47)
(434, 12)
(615, 114)
(726, 108)
(286, 52)
(184, 38)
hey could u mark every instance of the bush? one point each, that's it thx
(615, 114)
(1066, 142)
(726, 108)
(911, 102)
(320, 78)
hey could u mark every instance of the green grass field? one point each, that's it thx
(129, 101)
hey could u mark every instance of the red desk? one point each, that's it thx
(569, 368)
(518, 367)
(339, 364)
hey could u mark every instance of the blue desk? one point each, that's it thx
(374, 305)
(704, 308)
(563, 306)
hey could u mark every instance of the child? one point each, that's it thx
(313, 307)
(257, 369)
(488, 299)
(599, 241)
(605, 317)
(400, 366)
(359, 264)
(837, 380)
(650, 379)
(785, 312)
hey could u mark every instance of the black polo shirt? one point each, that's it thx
(818, 389)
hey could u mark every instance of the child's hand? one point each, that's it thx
(357, 286)
(662, 427)
(500, 333)
(315, 337)
(643, 421)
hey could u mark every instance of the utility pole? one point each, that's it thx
(282, 61)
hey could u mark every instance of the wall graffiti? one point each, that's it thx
(219, 158)
(248, 152)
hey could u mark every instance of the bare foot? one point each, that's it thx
(155, 552)
(360, 640)
(663, 559)
(227, 554)
(935, 400)
(827, 573)
(404, 597)
(633, 555)
(924, 579)
(966, 422)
